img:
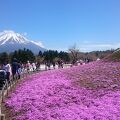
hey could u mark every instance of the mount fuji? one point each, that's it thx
(11, 41)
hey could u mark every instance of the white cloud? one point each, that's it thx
(92, 47)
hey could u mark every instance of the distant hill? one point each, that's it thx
(115, 56)
(94, 55)
(11, 41)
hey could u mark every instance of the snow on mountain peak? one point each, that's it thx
(38, 44)
(8, 31)
(11, 37)
(10, 41)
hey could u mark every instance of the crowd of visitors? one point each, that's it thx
(16, 68)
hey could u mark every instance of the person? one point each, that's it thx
(45, 65)
(48, 64)
(19, 70)
(7, 68)
(58, 63)
(87, 60)
(14, 68)
(28, 65)
(81, 62)
(34, 66)
(2, 78)
(53, 63)
(37, 66)
(98, 59)
(61, 63)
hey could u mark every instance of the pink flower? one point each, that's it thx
(78, 93)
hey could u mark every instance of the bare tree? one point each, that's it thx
(74, 53)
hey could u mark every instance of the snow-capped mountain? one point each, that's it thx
(11, 41)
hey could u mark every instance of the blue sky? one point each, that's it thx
(59, 24)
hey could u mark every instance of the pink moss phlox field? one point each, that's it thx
(85, 92)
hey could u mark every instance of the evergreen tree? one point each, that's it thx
(40, 54)
(24, 55)
(4, 57)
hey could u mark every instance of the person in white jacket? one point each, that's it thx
(33, 66)
(7, 68)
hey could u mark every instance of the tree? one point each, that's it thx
(23, 55)
(4, 57)
(50, 55)
(40, 54)
(64, 56)
(74, 53)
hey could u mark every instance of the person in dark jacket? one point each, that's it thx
(53, 63)
(19, 71)
(15, 67)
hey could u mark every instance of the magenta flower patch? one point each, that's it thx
(86, 92)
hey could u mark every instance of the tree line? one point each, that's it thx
(71, 56)
(26, 54)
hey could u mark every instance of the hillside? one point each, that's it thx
(86, 92)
